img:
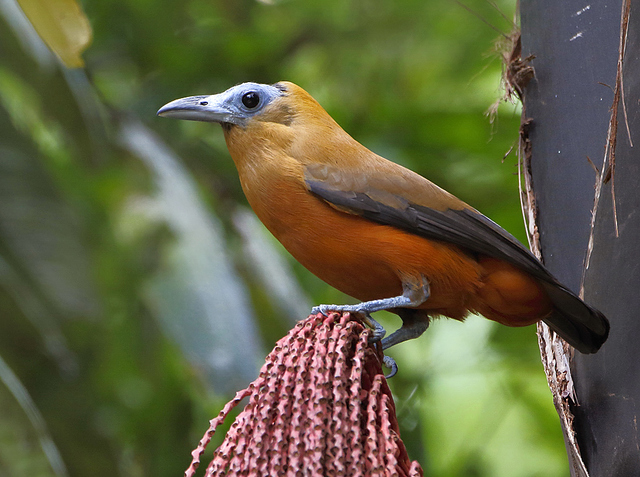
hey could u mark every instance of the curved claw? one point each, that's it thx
(324, 309)
(377, 330)
(390, 363)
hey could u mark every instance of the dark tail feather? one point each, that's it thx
(583, 327)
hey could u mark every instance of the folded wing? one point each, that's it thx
(452, 221)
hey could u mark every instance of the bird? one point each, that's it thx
(376, 230)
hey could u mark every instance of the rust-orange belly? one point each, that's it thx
(370, 261)
(364, 259)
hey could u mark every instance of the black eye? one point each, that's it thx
(204, 103)
(250, 99)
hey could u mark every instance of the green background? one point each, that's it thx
(137, 294)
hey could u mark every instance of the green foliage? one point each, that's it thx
(131, 306)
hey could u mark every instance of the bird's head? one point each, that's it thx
(239, 105)
(259, 119)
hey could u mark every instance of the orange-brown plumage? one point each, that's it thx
(273, 181)
(374, 229)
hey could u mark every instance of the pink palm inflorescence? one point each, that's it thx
(320, 406)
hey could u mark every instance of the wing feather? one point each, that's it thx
(582, 326)
(465, 227)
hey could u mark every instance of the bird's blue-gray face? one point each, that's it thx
(235, 106)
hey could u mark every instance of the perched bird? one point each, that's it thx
(376, 230)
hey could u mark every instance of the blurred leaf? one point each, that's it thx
(265, 259)
(196, 294)
(40, 234)
(28, 38)
(62, 25)
(26, 448)
(26, 112)
(477, 411)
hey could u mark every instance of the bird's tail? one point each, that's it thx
(580, 325)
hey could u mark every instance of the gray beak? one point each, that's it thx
(198, 108)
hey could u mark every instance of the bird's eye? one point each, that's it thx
(250, 99)
(204, 103)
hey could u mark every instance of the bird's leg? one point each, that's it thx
(414, 323)
(414, 293)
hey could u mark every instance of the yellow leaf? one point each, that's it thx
(62, 25)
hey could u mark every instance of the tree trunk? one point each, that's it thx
(589, 236)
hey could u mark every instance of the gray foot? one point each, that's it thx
(408, 331)
(414, 293)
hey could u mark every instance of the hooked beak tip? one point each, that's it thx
(166, 110)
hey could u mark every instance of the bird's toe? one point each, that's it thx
(390, 363)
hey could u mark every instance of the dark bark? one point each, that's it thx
(576, 48)
(569, 106)
(609, 385)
